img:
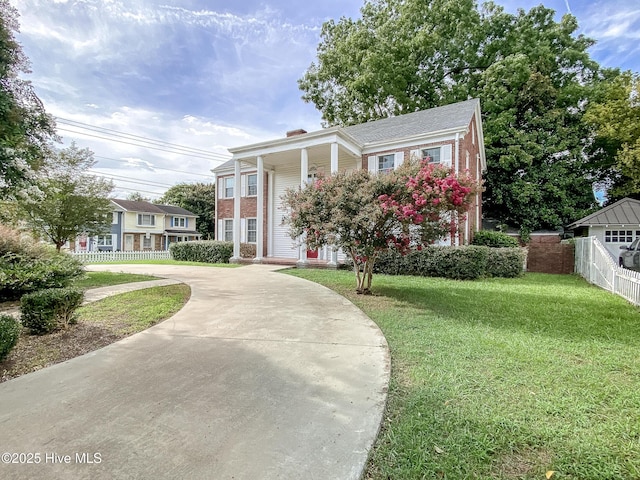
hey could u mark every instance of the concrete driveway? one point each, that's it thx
(260, 376)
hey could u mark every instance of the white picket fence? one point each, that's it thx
(107, 256)
(596, 265)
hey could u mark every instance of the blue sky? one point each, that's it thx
(211, 74)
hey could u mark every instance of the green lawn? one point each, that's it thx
(105, 279)
(504, 379)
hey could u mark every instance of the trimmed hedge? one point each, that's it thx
(459, 263)
(494, 239)
(206, 251)
(9, 334)
(48, 310)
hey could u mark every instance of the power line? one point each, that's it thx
(138, 138)
(137, 190)
(154, 167)
(120, 178)
(141, 146)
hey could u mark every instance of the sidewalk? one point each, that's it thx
(261, 376)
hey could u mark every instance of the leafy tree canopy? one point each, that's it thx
(615, 115)
(199, 198)
(26, 131)
(70, 201)
(533, 76)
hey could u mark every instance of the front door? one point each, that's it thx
(312, 253)
(128, 243)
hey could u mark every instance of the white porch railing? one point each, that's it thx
(594, 263)
(107, 256)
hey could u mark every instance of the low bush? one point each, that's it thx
(9, 334)
(51, 309)
(27, 266)
(206, 251)
(459, 263)
(20, 274)
(495, 239)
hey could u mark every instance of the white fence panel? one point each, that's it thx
(107, 256)
(594, 263)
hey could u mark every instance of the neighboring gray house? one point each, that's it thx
(615, 226)
(250, 186)
(140, 226)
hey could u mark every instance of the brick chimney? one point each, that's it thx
(293, 133)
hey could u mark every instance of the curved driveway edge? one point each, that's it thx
(260, 376)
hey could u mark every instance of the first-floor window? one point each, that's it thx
(105, 240)
(386, 163)
(252, 230)
(433, 154)
(146, 242)
(620, 236)
(228, 230)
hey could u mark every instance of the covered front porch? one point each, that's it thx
(293, 162)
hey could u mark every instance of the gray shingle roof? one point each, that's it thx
(148, 207)
(416, 123)
(623, 212)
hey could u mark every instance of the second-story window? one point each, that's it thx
(179, 222)
(146, 220)
(228, 187)
(252, 185)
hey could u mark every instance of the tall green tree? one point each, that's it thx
(70, 200)
(532, 74)
(198, 198)
(615, 116)
(26, 130)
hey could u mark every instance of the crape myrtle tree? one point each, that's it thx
(70, 200)
(364, 214)
(533, 76)
(26, 130)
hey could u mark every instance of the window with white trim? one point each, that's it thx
(179, 222)
(228, 230)
(146, 242)
(432, 153)
(252, 230)
(386, 163)
(228, 187)
(252, 185)
(620, 236)
(146, 220)
(105, 240)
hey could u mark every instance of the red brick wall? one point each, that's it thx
(248, 208)
(548, 255)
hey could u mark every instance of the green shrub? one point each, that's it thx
(20, 274)
(459, 263)
(9, 334)
(48, 310)
(206, 251)
(495, 239)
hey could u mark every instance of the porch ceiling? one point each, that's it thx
(316, 154)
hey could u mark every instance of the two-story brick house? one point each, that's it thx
(251, 184)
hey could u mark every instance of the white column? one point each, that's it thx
(260, 213)
(334, 158)
(332, 253)
(270, 213)
(304, 177)
(236, 213)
